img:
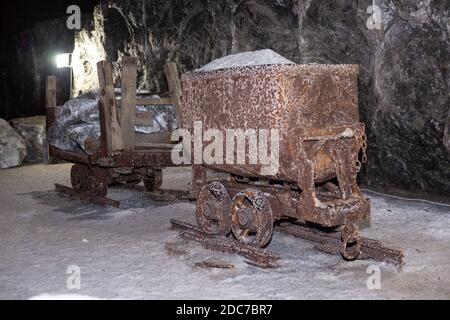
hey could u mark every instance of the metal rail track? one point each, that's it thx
(327, 242)
(331, 243)
(255, 255)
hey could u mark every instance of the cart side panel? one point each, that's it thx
(239, 98)
(321, 96)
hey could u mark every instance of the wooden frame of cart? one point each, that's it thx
(120, 154)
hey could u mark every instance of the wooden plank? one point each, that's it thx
(128, 101)
(116, 137)
(151, 145)
(70, 156)
(105, 136)
(154, 101)
(160, 158)
(159, 137)
(141, 118)
(50, 93)
(149, 101)
(174, 84)
(112, 130)
(50, 111)
(105, 128)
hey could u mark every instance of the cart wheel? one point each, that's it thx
(251, 217)
(78, 177)
(153, 182)
(213, 209)
(351, 241)
(97, 182)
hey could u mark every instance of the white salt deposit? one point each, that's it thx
(251, 58)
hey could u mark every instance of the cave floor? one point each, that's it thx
(122, 253)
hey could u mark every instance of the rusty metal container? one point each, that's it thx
(301, 101)
(315, 109)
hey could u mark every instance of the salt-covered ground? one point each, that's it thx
(123, 253)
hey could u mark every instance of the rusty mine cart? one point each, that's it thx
(120, 155)
(315, 109)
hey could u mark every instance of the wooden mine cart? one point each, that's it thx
(315, 110)
(121, 154)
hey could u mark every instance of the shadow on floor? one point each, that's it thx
(79, 210)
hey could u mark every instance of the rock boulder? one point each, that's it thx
(32, 130)
(12, 147)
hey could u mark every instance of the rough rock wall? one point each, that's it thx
(411, 87)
